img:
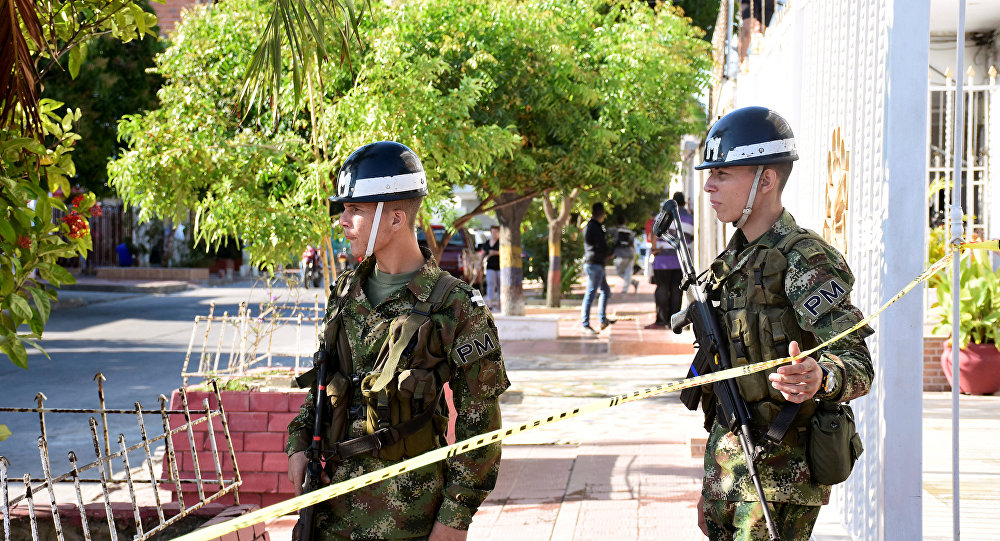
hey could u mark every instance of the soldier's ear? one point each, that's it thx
(768, 180)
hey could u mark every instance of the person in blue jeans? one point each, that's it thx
(595, 257)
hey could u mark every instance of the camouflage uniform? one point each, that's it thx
(449, 492)
(808, 302)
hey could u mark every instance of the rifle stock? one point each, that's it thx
(713, 353)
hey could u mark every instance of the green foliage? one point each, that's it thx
(112, 82)
(36, 141)
(268, 187)
(979, 301)
(29, 239)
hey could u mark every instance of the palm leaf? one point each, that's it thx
(301, 25)
(18, 74)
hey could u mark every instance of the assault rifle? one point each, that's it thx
(713, 351)
(314, 467)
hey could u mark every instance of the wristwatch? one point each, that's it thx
(829, 383)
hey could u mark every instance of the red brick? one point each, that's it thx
(278, 422)
(252, 498)
(175, 400)
(259, 482)
(295, 401)
(271, 499)
(264, 441)
(249, 462)
(285, 486)
(231, 536)
(236, 401)
(247, 421)
(196, 401)
(237, 438)
(276, 462)
(270, 402)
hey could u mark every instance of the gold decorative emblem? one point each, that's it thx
(838, 164)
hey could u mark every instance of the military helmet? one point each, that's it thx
(749, 136)
(382, 171)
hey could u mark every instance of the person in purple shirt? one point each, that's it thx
(667, 269)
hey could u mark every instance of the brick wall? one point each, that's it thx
(257, 426)
(934, 377)
(169, 13)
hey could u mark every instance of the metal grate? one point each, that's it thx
(136, 476)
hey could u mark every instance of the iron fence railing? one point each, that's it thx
(229, 346)
(177, 426)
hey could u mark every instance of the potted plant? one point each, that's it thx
(979, 325)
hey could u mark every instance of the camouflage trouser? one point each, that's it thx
(744, 521)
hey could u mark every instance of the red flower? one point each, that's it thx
(77, 225)
(77, 200)
(95, 211)
(24, 242)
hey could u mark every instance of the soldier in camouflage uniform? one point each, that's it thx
(781, 289)
(382, 186)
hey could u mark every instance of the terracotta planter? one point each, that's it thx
(978, 368)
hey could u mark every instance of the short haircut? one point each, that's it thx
(597, 209)
(783, 170)
(410, 207)
(679, 198)
(494, 226)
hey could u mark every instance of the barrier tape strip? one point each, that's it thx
(312, 498)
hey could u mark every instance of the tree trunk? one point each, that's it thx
(553, 294)
(511, 271)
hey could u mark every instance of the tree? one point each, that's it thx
(266, 186)
(598, 91)
(36, 142)
(112, 82)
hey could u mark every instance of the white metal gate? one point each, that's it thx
(851, 78)
(979, 110)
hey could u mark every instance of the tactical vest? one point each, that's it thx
(398, 399)
(755, 312)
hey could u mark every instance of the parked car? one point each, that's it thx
(460, 257)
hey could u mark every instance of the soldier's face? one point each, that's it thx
(357, 223)
(728, 189)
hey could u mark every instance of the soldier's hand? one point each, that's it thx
(799, 381)
(440, 532)
(297, 470)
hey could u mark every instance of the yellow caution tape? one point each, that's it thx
(312, 498)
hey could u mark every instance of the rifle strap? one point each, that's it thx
(779, 428)
(382, 437)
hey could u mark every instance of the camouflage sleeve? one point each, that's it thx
(819, 284)
(300, 429)
(478, 378)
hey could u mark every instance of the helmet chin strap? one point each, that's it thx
(753, 195)
(378, 218)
